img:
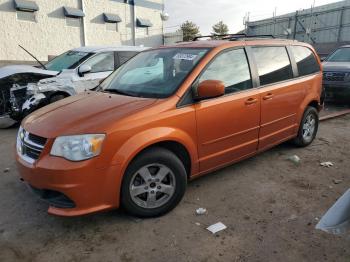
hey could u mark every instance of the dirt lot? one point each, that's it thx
(269, 205)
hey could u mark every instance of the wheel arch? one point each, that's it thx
(176, 141)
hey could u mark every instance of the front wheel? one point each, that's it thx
(154, 183)
(308, 127)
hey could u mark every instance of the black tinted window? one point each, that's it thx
(273, 64)
(125, 56)
(305, 59)
(231, 68)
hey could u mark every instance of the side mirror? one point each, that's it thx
(210, 89)
(84, 69)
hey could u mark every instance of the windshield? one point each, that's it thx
(155, 73)
(68, 60)
(340, 55)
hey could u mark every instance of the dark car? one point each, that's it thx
(336, 75)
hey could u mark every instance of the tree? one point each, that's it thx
(220, 29)
(190, 30)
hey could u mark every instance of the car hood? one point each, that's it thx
(15, 69)
(65, 75)
(91, 112)
(336, 66)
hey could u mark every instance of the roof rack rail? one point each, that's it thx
(214, 35)
(250, 36)
(233, 37)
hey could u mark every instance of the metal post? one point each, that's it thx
(82, 6)
(133, 16)
(340, 24)
(295, 24)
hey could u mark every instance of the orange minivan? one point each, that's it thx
(166, 116)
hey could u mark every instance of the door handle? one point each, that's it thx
(251, 101)
(268, 96)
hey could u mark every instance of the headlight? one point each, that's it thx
(20, 137)
(79, 147)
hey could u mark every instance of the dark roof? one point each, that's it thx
(111, 18)
(140, 22)
(25, 5)
(73, 12)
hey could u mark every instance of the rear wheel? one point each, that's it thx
(154, 183)
(308, 127)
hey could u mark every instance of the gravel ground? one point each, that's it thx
(269, 205)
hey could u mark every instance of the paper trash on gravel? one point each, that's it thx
(337, 218)
(326, 164)
(295, 159)
(201, 211)
(216, 227)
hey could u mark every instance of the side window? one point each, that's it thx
(101, 62)
(231, 68)
(125, 56)
(306, 61)
(273, 64)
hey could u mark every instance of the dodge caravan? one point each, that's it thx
(167, 116)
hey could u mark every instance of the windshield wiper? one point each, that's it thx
(119, 92)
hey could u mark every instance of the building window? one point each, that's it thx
(112, 27)
(26, 16)
(73, 22)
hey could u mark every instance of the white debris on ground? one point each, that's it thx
(295, 159)
(337, 181)
(326, 164)
(6, 170)
(201, 211)
(198, 224)
(216, 227)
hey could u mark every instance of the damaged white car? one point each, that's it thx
(70, 73)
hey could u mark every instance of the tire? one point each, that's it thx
(144, 192)
(56, 98)
(307, 129)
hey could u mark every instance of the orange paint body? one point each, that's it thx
(215, 132)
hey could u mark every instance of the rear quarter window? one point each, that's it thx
(273, 64)
(305, 59)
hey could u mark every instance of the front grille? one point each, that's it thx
(37, 139)
(19, 92)
(30, 146)
(334, 76)
(31, 151)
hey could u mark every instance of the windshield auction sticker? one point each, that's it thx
(180, 56)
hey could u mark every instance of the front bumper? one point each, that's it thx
(337, 92)
(90, 189)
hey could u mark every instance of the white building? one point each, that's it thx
(50, 27)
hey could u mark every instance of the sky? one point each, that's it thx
(205, 13)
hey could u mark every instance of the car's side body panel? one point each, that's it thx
(214, 132)
(227, 128)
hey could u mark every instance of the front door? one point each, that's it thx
(280, 95)
(228, 126)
